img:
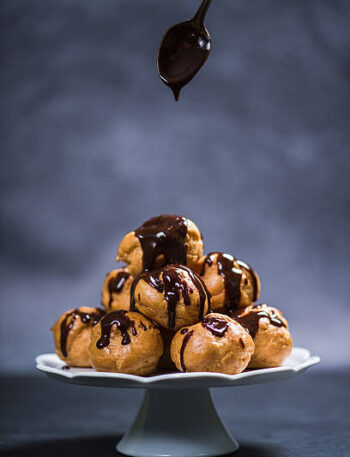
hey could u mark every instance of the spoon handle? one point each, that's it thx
(202, 11)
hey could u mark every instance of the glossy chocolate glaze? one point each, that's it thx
(116, 284)
(207, 261)
(248, 268)
(184, 49)
(68, 323)
(173, 286)
(250, 320)
(144, 328)
(163, 235)
(132, 293)
(186, 339)
(231, 271)
(123, 323)
(218, 327)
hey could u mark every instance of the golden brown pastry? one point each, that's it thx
(173, 296)
(116, 290)
(72, 334)
(125, 342)
(161, 241)
(232, 283)
(218, 344)
(269, 330)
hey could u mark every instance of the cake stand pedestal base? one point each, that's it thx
(177, 423)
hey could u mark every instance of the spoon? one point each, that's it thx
(183, 50)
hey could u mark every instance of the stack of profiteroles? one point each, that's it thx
(173, 308)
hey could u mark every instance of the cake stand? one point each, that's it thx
(177, 417)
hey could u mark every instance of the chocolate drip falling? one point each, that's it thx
(183, 51)
(123, 323)
(250, 321)
(116, 284)
(163, 236)
(232, 276)
(218, 327)
(173, 285)
(86, 318)
(185, 341)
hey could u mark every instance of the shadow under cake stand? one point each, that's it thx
(177, 417)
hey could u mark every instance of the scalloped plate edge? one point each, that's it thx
(308, 361)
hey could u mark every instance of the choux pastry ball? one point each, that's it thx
(217, 344)
(116, 290)
(232, 283)
(125, 342)
(269, 330)
(161, 241)
(173, 296)
(72, 334)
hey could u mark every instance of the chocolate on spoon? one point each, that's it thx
(184, 49)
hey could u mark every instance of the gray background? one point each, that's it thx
(256, 152)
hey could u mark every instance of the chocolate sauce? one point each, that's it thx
(123, 323)
(144, 328)
(173, 285)
(183, 346)
(163, 236)
(116, 284)
(183, 331)
(183, 51)
(207, 261)
(86, 318)
(250, 321)
(232, 276)
(132, 293)
(218, 327)
(247, 267)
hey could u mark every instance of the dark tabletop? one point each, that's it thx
(304, 416)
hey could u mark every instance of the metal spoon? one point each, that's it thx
(184, 49)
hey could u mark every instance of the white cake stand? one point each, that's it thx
(177, 417)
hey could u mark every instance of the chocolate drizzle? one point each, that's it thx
(132, 293)
(173, 285)
(207, 261)
(248, 268)
(231, 271)
(116, 284)
(123, 323)
(144, 328)
(250, 320)
(185, 341)
(218, 327)
(67, 324)
(163, 236)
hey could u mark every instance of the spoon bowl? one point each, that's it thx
(184, 49)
